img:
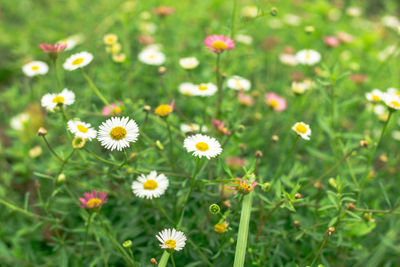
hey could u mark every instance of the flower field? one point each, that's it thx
(199, 133)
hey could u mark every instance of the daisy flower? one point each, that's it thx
(92, 201)
(187, 88)
(34, 68)
(238, 83)
(244, 39)
(20, 121)
(302, 129)
(219, 43)
(71, 41)
(205, 89)
(113, 109)
(245, 100)
(52, 49)
(189, 63)
(110, 39)
(78, 60)
(150, 186)
(375, 95)
(117, 133)
(202, 146)
(221, 227)
(275, 101)
(192, 128)
(165, 109)
(392, 100)
(288, 59)
(171, 239)
(308, 57)
(81, 129)
(151, 56)
(220, 126)
(50, 101)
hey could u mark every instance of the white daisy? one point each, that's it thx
(151, 56)
(375, 95)
(205, 89)
(71, 41)
(302, 129)
(171, 239)
(117, 133)
(288, 59)
(238, 83)
(20, 121)
(187, 88)
(110, 39)
(150, 186)
(301, 87)
(34, 68)
(308, 57)
(192, 128)
(244, 39)
(202, 146)
(392, 100)
(189, 63)
(78, 60)
(81, 129)
(50, 101)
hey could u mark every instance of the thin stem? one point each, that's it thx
(172, 260)
(51, 149)
(58, 80)
(264, 220)
(320, 249)
(283, 164)
(94, 88)
(233, 18)
(86, 236)
(219, 86)
(171, 145)
(101, 159)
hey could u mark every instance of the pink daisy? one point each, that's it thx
(220, 126)
(245, 100)
(331, 41)
(219, 43)
(92, 201)
(52, 48)
(113, 109)
(275, 101)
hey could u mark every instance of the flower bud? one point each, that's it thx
(273, 11)
(78, 142)
(296, 224)
(61, 178)
(42, 131)
(127, 244)
(265, 187)
(214, 209)
(153, 261)
(332, 182)
(309, 29)
(331, 230)
(258, 154)
(318, 185)
(275, 138)
(35, 152)
(298, 196)
(159, 145)
(364, 143)
(162, 70)
(350, 206)
(147, 108)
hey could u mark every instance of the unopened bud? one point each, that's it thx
(35, 152)
(265, 187)
(258, 154)
(42, 131)
(159, 145)
(214, 209)
(318, 185)
(296, 224)
(127, 244)
(350, 206)
(61, 177)
(298, 196)
(275, 138)
(227, 203)
(332, 182)
(331, 230)
(153, 261)
(162, 70)
(273, 11)
(364, 143)
(309, 29)
(147, 108)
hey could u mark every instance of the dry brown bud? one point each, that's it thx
(318, 185)
(153, 261)
(296, 224)
(364, 143)
(350, 206)
(331, 230)
(259, 154)
(298, 196)
(42, 131)
(275, 138)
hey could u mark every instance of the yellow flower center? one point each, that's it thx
(396, 104)
(117, 133)
(117, 110)
(77, 61)
(58, 99)
(376, 98)
(220, 227)
(150, 184)
(300, 128)
(82, 128)
(202, 146)
(238, 84)
(35, 68)
(170, 243)
(273, 103)
(308, 55)
(203, 87)
(219, 45)
(110, 40)
(163, 110)
(93, 202)
(152, 56)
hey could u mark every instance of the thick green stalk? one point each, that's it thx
(243, 232)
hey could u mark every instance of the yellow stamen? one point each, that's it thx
(93, 202)
(58, 99)
(35, 67)
(220, 227)
(170, 243)
(300, 128)
(203, 87)
(77, 61)
(163, 110)
(219, 45)
(82, 128)
(150, 184)
(202, 146)
(118, 133)
(376, 98)
(396, 104)
(273, 103)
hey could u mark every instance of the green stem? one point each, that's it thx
(101, 159)
(241, 245)
(58, 80)
(51, 149)
(171, 145)
(219, 86)
(164, 259)
(283, 164)
(86, 236)
(233, 19)
(94, 88)
(172, 259)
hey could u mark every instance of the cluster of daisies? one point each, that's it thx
(391, 97)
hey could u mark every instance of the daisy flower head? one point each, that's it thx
(117, 133)
(308, 57)
(302, 129)
(110, 39)
(219, 43)
(34, 68)
(192, 128)
(92, 200)
(165, 109)
(113, 109)
(205, 89)
(72, 41)
(163, 11)
(81, 129)
(220, 126)
(187, 88)
(189, 63)
(51, 101)
(275, 101)
(392, 100)
(152, 55)
(245, 100)
(150, 186)
(171, 239)
(238, 83)
(52, 49)
(244, 39)
(288, 59)
(221, 227)
(20, 121)
(375, 95)
(78, 60)
(202, 146)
